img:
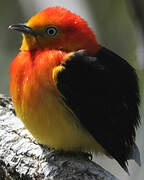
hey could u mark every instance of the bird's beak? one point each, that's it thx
(22, 28)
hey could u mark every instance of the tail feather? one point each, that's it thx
(135, 154)
(124, 166)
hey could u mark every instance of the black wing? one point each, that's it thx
(103, 93)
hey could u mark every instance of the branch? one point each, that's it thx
(21, 157)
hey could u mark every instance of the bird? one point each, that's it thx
(72, 93)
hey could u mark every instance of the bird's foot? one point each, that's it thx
(87, 155)
(55, 153)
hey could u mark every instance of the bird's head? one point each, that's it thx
(57, 28)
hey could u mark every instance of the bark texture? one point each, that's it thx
(22, 158)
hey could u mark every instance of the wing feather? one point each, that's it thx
(103, 93)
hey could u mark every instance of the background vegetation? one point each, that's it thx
(116, 26)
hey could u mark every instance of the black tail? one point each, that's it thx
(135, 155)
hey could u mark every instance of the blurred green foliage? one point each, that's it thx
(114, 28)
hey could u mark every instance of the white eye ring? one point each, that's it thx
(51, 31)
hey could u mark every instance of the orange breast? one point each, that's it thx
(31, 71)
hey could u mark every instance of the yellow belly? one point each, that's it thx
(52, 124)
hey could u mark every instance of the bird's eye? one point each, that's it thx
(51, 31)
